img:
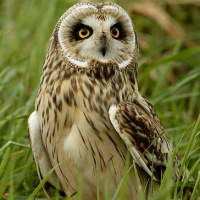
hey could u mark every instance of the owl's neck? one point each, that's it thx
(57, 69)
(88, 89)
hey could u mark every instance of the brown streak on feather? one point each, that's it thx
(67, 99)
(83, 92)
(113, 167)
(101, 112)
(93, 126)
(74, 85)
(93, 154)
(38, 104)
(58, 89)
(53, 133)
(115, 145)
(89, 87)
(82, 138)
(66, 118)
(59, 105)
(104, 123)
(101, 157)
(55, 116)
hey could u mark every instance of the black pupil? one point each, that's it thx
(114, 31)
(84, 32)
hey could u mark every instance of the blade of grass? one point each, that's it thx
(181, 96)
(43, 181)
(161, 194)
(152, 172)
(177, 146)
(141, 195)
(125, 179)
(115, 197)
(189, 176)
(5, 178)
(193, 196)
(167, 180)
(98, 198)
(5, 160)
(117, 190)
(79, 193)
(15, 143)
(175, 87)
(183, 54)
(15, 118)
(189, 148)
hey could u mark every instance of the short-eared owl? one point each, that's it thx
(89, 113)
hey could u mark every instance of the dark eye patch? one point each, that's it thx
(77, 27)
(122, 32)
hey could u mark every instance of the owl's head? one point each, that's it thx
(97, 32)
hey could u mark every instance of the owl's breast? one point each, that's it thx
(76, 128)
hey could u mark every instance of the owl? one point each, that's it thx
(90, 117)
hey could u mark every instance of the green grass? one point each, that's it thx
(169, 76)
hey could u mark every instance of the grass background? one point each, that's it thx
(169, 75)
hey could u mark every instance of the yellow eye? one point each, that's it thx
(115, 32)
(83, 33)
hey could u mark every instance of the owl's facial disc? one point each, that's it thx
(91, 32)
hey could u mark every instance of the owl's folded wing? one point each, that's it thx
(143, 135)
(42, 161)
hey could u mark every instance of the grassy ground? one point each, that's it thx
(169, 76)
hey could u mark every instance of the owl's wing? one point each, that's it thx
(139, 127)
(41, 158)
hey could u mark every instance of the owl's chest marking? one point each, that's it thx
(81, 102)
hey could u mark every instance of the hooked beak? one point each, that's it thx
(103, 45)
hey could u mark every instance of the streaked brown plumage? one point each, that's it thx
(88, 114)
